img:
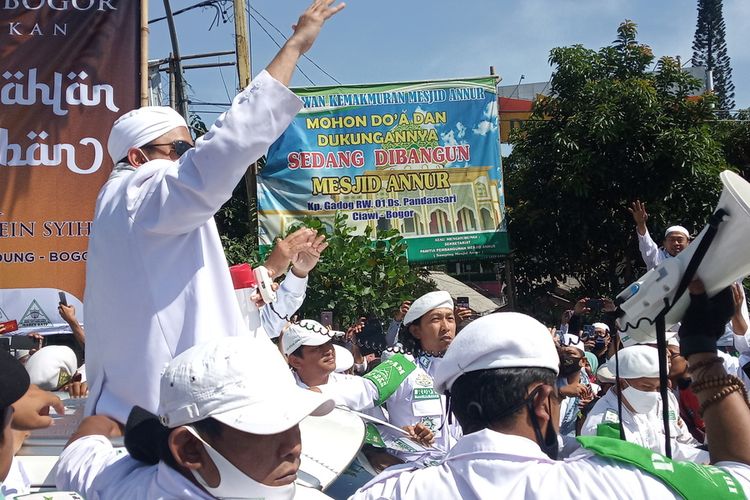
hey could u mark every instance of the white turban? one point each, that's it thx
(677, 229)
(52, 367)
(139, 127)
(426, 303)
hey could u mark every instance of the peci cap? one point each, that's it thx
(242, 382)
(426, 303)
(499, 340)
(310, 332)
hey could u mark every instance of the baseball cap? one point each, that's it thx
(499, 340)
(15, 380)
(242, 382)
(306, 332)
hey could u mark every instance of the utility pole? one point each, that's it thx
(244, 74)
(182, 107)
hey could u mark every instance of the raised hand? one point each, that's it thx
(640, 216)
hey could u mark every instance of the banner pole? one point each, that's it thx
(144, 54)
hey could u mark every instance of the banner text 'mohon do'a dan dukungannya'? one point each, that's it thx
(68, 69)
(420, 157)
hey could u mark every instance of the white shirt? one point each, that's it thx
(157, 278)
(488, 465)
(647, 430)
(97, 470)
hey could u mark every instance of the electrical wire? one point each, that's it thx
(278, 45)
(285, 38)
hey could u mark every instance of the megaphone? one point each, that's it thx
(726, 260)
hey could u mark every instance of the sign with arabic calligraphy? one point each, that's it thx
(68, 69)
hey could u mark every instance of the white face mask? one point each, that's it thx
(233, 483)
(641, 401)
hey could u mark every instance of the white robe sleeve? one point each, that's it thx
(290, 295)
(356, 393)
(649, 250)
(176, 197)
(82, 461)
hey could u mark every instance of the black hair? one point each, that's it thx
(484, 398)
(298, 352)
(409, 342)
(147, 439)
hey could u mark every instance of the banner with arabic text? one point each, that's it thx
(68, 69)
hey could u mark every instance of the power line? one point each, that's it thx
(285, 37)
(278, 45)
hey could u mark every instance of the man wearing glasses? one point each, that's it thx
(157, 278)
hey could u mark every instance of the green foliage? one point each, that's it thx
(359, 277)
(610, 133)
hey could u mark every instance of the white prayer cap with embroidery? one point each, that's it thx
(499, 340)
(426, 303)
(52, 367)
(139, 127)
(677, 229)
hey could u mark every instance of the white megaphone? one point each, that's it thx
(726, 260)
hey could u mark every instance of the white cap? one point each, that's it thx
(637, 361)
(499, 340)
(570, 340)
(139, 127)
(603, 326)
(52, 367)
(242, 382)
(306, 332)
(605, 375)
(426, 303)
(677, 229)
(628, 341)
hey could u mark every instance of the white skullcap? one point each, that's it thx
(638, 361)
(426, 303)
(570, 340)
(499, 340)
(52, 367)
(603, 326)
(139, 127)
(628, 341)
(677, 229)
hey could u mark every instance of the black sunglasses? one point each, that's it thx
(179, 147)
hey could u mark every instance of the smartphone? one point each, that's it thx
(588, 331)
(595, 304)
(63, 298)
(462, 302)
(326, 318)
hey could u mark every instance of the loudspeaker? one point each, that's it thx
(726, 260)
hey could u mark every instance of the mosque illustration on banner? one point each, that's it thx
(470, 203)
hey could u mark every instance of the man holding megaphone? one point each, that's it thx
(676, 239)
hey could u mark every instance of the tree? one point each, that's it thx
(609, 133)
(710, 50)
(358, 277)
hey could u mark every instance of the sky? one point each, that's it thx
(402, 40)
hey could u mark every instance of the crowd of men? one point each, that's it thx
(209, 401)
